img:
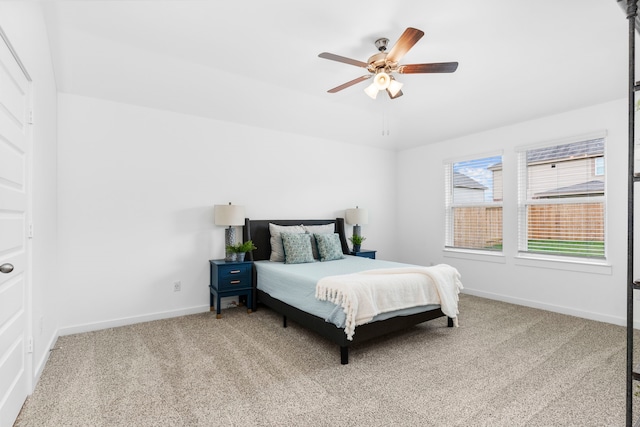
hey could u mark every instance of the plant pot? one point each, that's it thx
(240, 256)
(356, 248)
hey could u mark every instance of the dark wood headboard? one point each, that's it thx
(258, 232)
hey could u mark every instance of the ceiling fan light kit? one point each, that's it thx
(394, 88)
(372, 90)
(382, 80)
(381, 65)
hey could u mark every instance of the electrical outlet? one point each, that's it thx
(177, 286)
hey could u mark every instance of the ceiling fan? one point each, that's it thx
(383, 64)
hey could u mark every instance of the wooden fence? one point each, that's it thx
(477, 228)
(481, 227)
(574, 222)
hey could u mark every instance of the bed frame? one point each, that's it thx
(258, 231)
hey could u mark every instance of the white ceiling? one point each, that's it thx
(256, 62)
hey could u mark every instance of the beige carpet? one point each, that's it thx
(505, 365)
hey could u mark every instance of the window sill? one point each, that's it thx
(486, 256)
(570, 264)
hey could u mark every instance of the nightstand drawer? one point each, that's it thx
(234, 277)
(234, 272)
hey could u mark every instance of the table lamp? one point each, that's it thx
(357, 217)
(228, 216)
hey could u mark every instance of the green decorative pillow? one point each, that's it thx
(329, 246)
(277, 251)
(297, 248)
(318, 229)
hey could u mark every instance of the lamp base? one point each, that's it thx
(229, 239)
(356, 230)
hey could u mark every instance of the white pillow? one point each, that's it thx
(277, 250)
(318, 229)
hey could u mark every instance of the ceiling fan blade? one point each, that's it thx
(398, 95)
(406, 41)
(351, 83)
(333, 57)
(436, 67)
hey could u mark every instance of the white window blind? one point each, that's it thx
(561, 199)
(473, 204)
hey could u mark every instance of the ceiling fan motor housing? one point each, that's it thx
(377, 61)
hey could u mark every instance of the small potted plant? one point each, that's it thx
(357, 240)
(240, 249)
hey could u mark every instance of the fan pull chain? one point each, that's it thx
(385, 121)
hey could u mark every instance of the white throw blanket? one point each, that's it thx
(364, 295)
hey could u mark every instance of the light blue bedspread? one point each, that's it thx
(295, 284)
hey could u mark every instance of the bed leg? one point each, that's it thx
(344, 355)
(284, 321)
(450, 322)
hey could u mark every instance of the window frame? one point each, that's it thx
(493, 255)
(524, 203)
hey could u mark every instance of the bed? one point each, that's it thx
(258, 231)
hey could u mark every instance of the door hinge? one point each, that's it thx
(30, 231)
(30, 117)
(30, 345)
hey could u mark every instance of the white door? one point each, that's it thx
(14, 305)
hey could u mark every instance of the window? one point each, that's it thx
(599, 166)
(561, 199)
(473, 203)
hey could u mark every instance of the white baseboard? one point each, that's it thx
(615, 320)
(96, 326)
(37, 373)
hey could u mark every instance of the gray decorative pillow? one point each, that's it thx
(277, 251)
(297, 248)
(329, 246)
(318, 229)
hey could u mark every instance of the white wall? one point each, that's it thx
(24, 25)
(136, 193)
(597, 293)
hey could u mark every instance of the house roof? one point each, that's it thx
(576, 150)
(557, 153)
(461, 180)
(584, 188)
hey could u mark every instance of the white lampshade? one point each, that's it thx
(394, 87)
(372, 90)
(228, 215)
(382, 80)
(357, 216)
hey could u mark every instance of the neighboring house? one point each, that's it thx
(467, 189)
(497, 181)
(570, 170)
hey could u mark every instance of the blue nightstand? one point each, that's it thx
(365, 253)
(230, 279)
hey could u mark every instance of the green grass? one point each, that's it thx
(568, 247)
(561, 247)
